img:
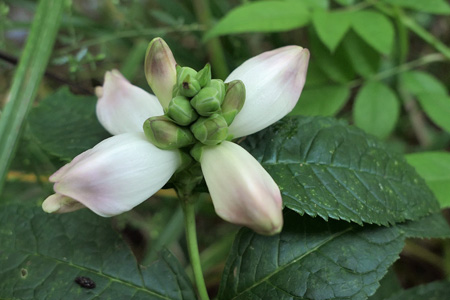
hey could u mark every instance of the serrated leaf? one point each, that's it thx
(310, 259)
(434, 167)
(65, 124)
(335, 65)
(376, 29)
(437, 107)
(331, 26)
(433, 291)
(417, 82)
(325, 167)
(263, 16)
(429, 6)
(432, 226)
(42, 254)
(388, 285)
(364, 59)
(376, 109)
(321, 101)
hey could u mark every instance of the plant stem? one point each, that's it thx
(194, 255)
(213, 45)
(27, 78)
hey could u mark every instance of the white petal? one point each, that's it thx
(273, 82)
(57, 203)
(123, 107)
(117, 174)
(241, 190)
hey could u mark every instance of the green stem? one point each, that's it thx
(194, 255)
(427, 59)
(213, 45)
(27, 78)
(413, 249)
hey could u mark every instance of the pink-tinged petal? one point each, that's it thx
(57, 203)
(123, 107)
(273, 82)
(160, 70)
(241, 190)
(117, 174)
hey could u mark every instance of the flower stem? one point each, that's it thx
(194, 255)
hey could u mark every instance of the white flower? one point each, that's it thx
(241, 190)
(121, 172)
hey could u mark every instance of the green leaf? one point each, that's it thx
(388, 285)
(42, 255)
(428, 6)
(325, 167)
(345, 2)
(376, 109)
(437, 107)
(432, 226)
(335, 65)
(417, 82)
(331, 26)
(310, 259)
(262, 16)
(433, 291)
(66, 125)
(364, 59)
(376, 29)
(434, 167)
(321, 4)
(321, 101)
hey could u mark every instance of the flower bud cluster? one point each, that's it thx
(200, 112)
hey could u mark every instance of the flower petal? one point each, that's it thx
(117, 174)
(57, 203)
(160, 70)
(123, 107)
(273, 82)
(241, 190)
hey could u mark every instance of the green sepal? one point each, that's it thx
(197, 151)
(234, 100)
(181, 111)
(207, 102)
(165, 134)
(219, 86)
(210, 131)
(204, 75)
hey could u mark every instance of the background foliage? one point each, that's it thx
(380, 66)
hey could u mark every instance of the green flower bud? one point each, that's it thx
(210, 131)
(234, 100)
(181, 111)
(187, 83)
(204, 75)
(196, 151)
(165, 134)
(219, 86)
(207, 102)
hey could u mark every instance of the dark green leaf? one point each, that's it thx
(331, 26)
(376, 109)
(310, 259)
(437, 107)
(263, 16)
(417, 82)
(376, 29)
(322, 101)
(429, 6)
(434, 167)
(388, 285)
(325, 167)
(66, 125)
(432, 291)
(41, 255)
(364, 59)
(432, 226)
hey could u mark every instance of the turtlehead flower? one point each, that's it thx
(122, 171)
